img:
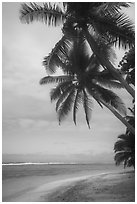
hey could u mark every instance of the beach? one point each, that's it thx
(111, 187)
(68, 183)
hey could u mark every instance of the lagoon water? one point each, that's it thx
(19, 179)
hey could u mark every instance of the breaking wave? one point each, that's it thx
(33, 163)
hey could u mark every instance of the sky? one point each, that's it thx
(30, 125)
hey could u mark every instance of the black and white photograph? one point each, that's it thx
(68, 101)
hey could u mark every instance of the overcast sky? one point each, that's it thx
(30, 123)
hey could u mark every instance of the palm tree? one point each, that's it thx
(97, 25)
(97, 21)
(84, 79)
(75, 27)
(125, 150)
(125, 146)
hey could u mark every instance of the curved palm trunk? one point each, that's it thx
(130, 128)
(107, 64)
(122, 119)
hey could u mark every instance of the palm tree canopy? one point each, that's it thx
(59, 56)
(95, 27)
(104, 18)
(95, 20)
(82, 79)
(125, 150)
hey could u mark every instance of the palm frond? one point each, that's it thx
(100, 47)
(49, 13)
(66, 106)
(124, 150)
(111, 7)
(51, 65)
(126, 162)
(87, 105)
(122, 137)
(72, 56)
(112, 99)
(109, 83)
(98, 102)
(57, 92)
(129, 139)
(118, 27)
(58, 56)
(55, 79)
(90, 90)
(121, 157)
(131, 161)
(78, 100)
(120, 146)
(64, 95)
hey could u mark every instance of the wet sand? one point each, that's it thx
(101, 187)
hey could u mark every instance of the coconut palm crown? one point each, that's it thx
(99, 25)
(83, 79)
(98, 21)
(104, 18)
(125, 150)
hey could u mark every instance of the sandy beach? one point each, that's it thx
(99, 187)
(112, 187)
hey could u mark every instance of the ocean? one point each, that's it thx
(19, 179)
(18, 170)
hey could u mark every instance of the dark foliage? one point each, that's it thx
(83, 22)
(128, 66)
(124, 148)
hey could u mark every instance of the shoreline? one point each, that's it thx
(82, 188)
(106, 187)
